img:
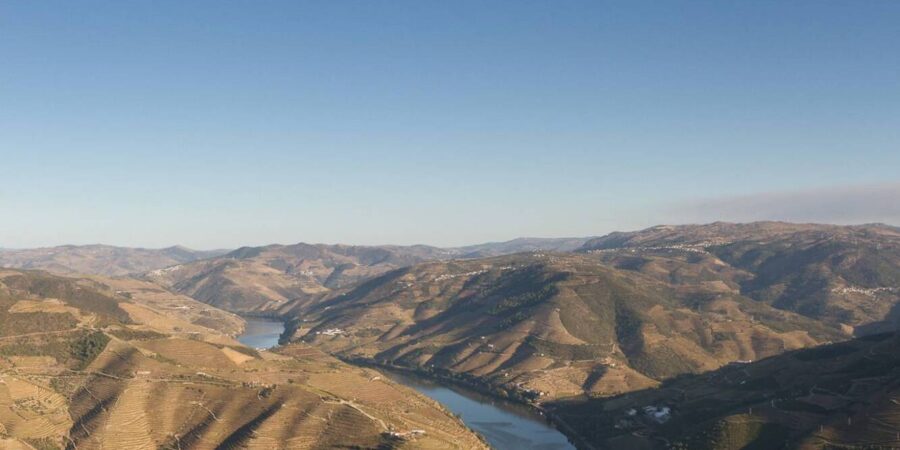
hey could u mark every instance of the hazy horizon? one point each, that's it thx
(468, 244)
(214, 125)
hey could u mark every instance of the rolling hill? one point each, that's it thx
(99, 259)
(271, 278)
(671, 337)
(843, 275)
(540, 326)
(276, 279)
(94, 363)
(257, 279)
(518, 245)
(622, 317)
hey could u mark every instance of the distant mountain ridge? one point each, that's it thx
(698, 234)
(266, 279)
(100, 259)
(275, 278)
(110, 260)
(518, 245)
(843, 275)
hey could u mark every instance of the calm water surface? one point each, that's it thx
(261, 333)
(505, 425)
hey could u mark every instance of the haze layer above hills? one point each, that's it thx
(100, 259)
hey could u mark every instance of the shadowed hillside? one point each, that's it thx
(635, 311)
(538, 326)
(842, 275)
(124, 365)
(838, 396)
(266, 279)
(278, 278)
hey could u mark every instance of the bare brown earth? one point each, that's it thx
(99, 259)
(278, 277)
(545, 326)
(161, 309)
(90, 365)
(627, 315)
(707, 321)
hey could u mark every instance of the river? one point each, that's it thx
(505, 425)
(261, 333)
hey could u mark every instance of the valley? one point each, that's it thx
(545, 326)
(505, 425)
(565, 331)
(621, 340)
(90, 365)
(457, 225)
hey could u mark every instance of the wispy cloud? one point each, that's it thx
(838, 205)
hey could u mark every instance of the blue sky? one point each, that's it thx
(222, 123)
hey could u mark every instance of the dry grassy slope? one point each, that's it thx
(561, 324)
(99, 259)
(839, 396)
(281, 279)
(278, 277)
(843, 275)
(88, 365)
(170, 311)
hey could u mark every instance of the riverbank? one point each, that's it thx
(261, 333)
(524, 400)
(472, 383)
(286, 331)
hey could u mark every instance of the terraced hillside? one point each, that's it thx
(542, 326)
(840, 396)
(99, 259)
(90, 365)
(843, 275)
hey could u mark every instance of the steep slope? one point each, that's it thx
(549, 325)
(90, 365)
(839, 396)
(843, 275)
(100, 259)
(277, 279)
(272, 278)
